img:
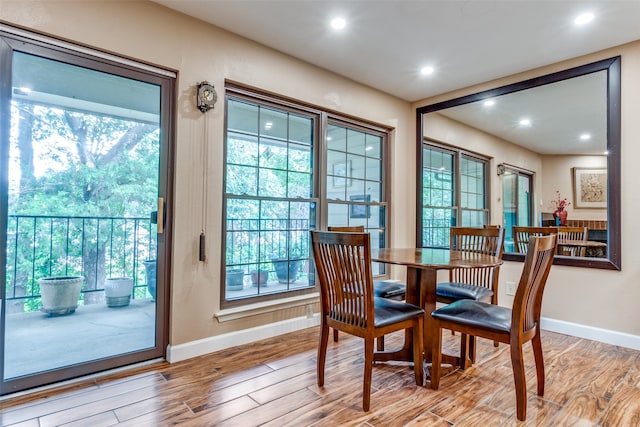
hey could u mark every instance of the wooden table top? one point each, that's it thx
(582, 243)
(433, 258)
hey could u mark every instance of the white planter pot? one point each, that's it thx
(117, 291)
(60, 294)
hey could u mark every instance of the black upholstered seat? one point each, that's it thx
(475, 314)
(389, 289)
(462, 291)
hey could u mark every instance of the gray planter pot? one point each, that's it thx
(117, 291)
(60, 294)
(235, 279)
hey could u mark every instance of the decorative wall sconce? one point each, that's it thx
(206, 96)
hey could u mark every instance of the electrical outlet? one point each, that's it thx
(309, 311)
(511, 288)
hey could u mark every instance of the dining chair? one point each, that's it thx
(514, 326)
(478, 284)
(521, 236)
(348, 303)
(572, 233)
(381, 288)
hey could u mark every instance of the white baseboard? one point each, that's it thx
(191, 349)
(589, 332)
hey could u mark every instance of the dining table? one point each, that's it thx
(569, 243)
(422, 266)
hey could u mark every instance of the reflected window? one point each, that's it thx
(454, 193)
(517, 206)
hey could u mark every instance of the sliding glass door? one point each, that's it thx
(81, 147)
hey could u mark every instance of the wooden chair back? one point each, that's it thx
(527, 302)
(572, 233)
(486, 240)
(521, 236)
(347, 229)
(343, 263)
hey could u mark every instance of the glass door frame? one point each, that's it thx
(12, 40)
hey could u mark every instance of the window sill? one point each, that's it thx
(265, 307)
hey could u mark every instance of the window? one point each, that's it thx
(354, 182)
(276, 191)
(454, 193)
(517, 203)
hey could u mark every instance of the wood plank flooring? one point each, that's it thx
(273, 383)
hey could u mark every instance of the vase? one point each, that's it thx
(117, 291)
(60, 294)
(561, 214)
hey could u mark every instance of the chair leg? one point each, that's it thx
(536, 342)
(467, 351)
(368, 369)
(517, 362)
(436, 358)
(418, 352)
(335, 335)
(322, 353)
(380, 343)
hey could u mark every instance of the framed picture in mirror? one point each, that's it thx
(590, 188)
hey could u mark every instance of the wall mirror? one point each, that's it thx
(574, 126)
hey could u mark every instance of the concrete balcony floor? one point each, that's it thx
(36, 342)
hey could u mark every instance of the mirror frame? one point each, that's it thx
(612, 66)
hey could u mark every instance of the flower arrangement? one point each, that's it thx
(559, 202)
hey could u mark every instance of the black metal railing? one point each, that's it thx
(93, 247)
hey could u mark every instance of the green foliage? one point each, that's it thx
(78, 165)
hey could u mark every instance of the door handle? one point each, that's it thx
(160, 215)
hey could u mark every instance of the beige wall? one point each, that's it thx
(557, 175)
(198, 51)
(148, 32)
(593, 298)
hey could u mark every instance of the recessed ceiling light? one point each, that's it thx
(369, 148)
(268, 125)
(585, 18)
(525, 122)
(585, 137)
(427, 70)
(338, 23)
(489, 102)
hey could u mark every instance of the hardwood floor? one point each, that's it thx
(273, 383)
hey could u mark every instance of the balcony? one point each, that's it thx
(95, 248)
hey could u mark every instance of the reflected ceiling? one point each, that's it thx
(559, 113)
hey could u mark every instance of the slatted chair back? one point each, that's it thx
(487, 241)
(572, 233)
(527, 302)
(521, 236)
(343, 262)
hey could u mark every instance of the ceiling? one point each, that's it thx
(386, 42)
